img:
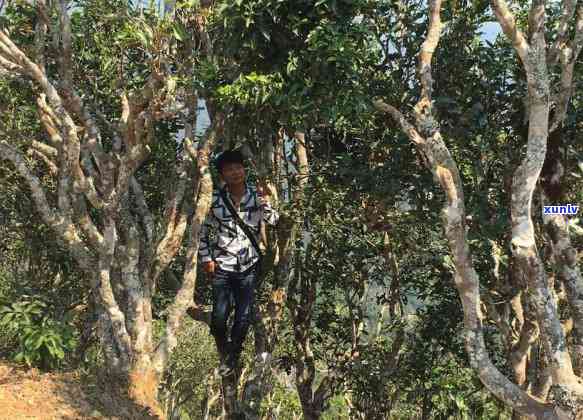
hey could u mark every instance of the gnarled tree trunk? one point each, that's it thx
(100, 212)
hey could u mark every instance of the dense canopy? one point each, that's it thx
(410, 148)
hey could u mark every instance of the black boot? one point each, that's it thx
(232, 360)
(225, 358)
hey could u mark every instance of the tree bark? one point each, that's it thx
(533, 55)
(564, 256)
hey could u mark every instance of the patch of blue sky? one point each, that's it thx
(489, 31)
(202, 122)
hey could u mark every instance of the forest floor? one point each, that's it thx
(30, 394)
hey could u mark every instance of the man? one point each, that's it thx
(231, 264)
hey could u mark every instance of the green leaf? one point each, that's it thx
(39, 342)
(51, 350)
(179, 32)
(107, 64)
(142, 38)
(5, 320)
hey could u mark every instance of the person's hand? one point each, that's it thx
(209, 268)
(263, 193)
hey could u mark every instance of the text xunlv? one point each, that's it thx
(564, 209)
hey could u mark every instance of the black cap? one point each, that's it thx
(229, 156)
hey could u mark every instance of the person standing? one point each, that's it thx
(231, 261)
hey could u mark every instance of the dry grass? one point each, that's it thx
(29, 394)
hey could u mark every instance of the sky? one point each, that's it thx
(202, 119)
(490, 30)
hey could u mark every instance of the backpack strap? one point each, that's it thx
(240, 222)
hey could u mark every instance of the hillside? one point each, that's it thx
(29, 394)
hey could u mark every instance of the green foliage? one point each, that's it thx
(337, 410)
(283, 400)
(252, 89)
(189, 377)
(314, 65)
(312, 49)
(42, 341)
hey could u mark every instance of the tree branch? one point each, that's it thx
(568, 54)
(508, 24)
(427, 49)
(49, 120)
(568, 9)
(568, 272)
(400, 119)
(45, 149)
(65, 60)
(68, 127)
(52, 167)
(577, 43)
(467, 282)
(116, 316)
(203, 202)
(10, 66)
(524, 181)
(59, 222)
(175, 217)
(143, 209)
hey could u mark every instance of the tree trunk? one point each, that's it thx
(128, 381)
(564, 256)
(534, 58)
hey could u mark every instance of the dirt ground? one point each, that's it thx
(29, 394)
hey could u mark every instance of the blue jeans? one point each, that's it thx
(238, 288)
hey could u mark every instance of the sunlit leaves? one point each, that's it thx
(253, 89)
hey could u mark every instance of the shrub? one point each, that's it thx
(41, 341)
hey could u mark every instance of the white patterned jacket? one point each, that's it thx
(231, 249)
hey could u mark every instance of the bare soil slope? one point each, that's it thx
(29, 394)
